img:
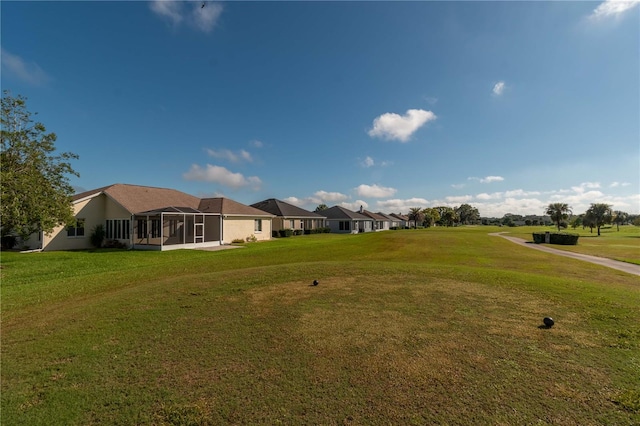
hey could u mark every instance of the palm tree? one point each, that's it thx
(415, 214)
(558, 212)
(601, 214)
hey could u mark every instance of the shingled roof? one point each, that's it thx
(283, 209)
(338, 212)
(136, 198)
(227, 206)
(374, 216)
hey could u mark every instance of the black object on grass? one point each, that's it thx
(548, 321)
(315, 282)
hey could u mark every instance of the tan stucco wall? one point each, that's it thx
(243, 227)
(92, 211)
(280, 223)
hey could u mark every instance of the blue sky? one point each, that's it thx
(507, 106)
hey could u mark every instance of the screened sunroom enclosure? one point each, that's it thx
(173, 228)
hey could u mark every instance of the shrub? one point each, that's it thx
(114, 244)
(286, 232)
(560, 238)
(97, 236)
(298, 232)
(252, 238)
(237, 241)
(538, 237)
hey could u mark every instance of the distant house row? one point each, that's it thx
(142, 217)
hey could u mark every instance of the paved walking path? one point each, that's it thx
(610, 263)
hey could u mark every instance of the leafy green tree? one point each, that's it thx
(431, 216)
(558, 212)
(588, 220)
(577, 221)
(321, 207)
(600, 214)
(35, 188)
(416, 215)
(620, 218)
(448, 216)
(467, 214)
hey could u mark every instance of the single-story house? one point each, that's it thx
(402, 219)
(239, 221)
(288, 216)
(342, 220)
(393, 221)
(380, 222)
(143, 217)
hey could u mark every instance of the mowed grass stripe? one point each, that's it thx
(421, 336)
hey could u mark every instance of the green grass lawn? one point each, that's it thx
(435, 326)
(623, 245)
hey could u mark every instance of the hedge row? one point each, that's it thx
(562, 238)
(283, 233)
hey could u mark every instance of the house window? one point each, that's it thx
(77, 230)
(155, 228)
(344, 225)
(257, 225)
(142, 228)
(292, 224)
(116, 229)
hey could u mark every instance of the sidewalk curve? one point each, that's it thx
(609, 263)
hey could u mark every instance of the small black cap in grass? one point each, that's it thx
(315, 282)
(548, 321)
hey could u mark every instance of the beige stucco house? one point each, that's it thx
(288, 216)
(143, 217)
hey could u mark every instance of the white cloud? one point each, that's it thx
(392, 126)
(490, 179)
(295, 201)
(506, 194)
(201, 18)
(29, 72)
(331, 197)
(256, 143)
(585, 185)
(498, 88)
(457, 185)
(617, 184)
(431, 100)
(226, 154)
(221, 175)
(485, 196)
(613, 8)
(368, 162)
(459, 198)
(205, 18)
(355, 206)
(487, 179)
(169, 10)
(521, 206)
(400, 205)
(374, 191)
(520, 193)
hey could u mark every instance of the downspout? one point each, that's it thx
(221, 230)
